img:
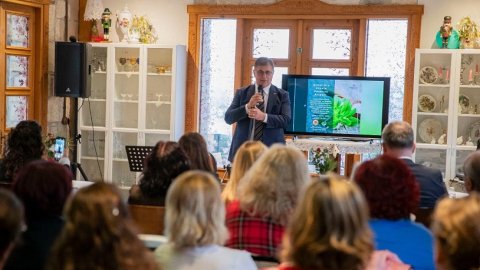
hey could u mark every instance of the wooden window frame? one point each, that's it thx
(294, 9)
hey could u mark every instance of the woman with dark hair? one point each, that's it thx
(166, 161)
(99, 234)
(195, 147)
(24, 144)
(392, 194)
(43, 187)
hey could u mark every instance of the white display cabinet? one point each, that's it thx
(446, 107)
(137, 98)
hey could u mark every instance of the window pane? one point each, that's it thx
(331, 44)
(331, 71)
(217, 82)
(17, 71)
(271, 43)
(16, 110)
(386, 52)
(17, 30)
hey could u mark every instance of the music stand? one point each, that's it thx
(136, 156)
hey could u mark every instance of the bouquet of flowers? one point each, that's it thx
(323, 160)
(142, 27)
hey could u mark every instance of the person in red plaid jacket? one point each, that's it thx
(266, 198)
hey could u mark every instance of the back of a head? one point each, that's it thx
(195, 214)
(329, 229)
(196, 149)
(99, 233)
(398, 135)
(11, 220)
(272, 184)
(24, 144)
(471, 169)
(389, 186)
(246, 155)
(43, 187)
(166, 161)
(456, 228)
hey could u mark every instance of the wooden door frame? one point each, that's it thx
(294, 9)
(40, 69)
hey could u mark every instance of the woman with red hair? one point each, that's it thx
(392, 194)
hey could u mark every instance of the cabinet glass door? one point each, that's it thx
(126, 88)
(158, 89)
(121, 174)
(93, 154)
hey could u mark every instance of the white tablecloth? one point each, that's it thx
(338, 146)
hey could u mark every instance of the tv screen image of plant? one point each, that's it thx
(337, 106)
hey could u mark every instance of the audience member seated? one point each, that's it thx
(196, 149)
(392, 195)
(267, 196)
(99, 234)
(456, 225)
(246, 155)
(166, 161)
(398, 141)
(195, 227)
(24, 144)
(329, 230)
(43, 187)
(471, 170)
(11, 221)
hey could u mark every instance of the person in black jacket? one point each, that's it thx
(398, 141)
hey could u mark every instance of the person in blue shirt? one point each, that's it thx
(392, 194)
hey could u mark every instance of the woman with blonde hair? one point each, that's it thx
(267, 196)
(329, 230)
(195, 227)
(246, 155)
(456, 229)
(99, 234)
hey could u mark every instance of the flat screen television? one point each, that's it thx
(339, 106)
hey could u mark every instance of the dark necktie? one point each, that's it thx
(259, 125)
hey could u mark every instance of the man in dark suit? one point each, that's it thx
(398, 141)
(261, 110)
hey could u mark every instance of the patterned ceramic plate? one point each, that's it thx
(427, 103)
(430, 129)
(428, 75)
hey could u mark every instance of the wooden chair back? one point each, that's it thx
(424, 216)
(149, 219)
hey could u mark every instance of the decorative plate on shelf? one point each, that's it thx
(428, 75)
(464, 103)
(430, 129)
(474, 132)
(427, 103)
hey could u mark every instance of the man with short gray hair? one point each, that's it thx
(471, 170)
(398, 141)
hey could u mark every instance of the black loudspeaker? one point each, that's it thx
(72, 69)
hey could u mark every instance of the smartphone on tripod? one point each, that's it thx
(59, 148)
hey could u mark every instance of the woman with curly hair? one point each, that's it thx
(24, 144)
(329, 230)
(195, 227)
(246, 155)
(392, 194)
(196, 149)
(166, 161)
(99, 234)
(456, 227)
(267, 196)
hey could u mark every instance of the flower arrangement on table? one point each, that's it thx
(142, 28)
(468, 31)
(323, 160)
